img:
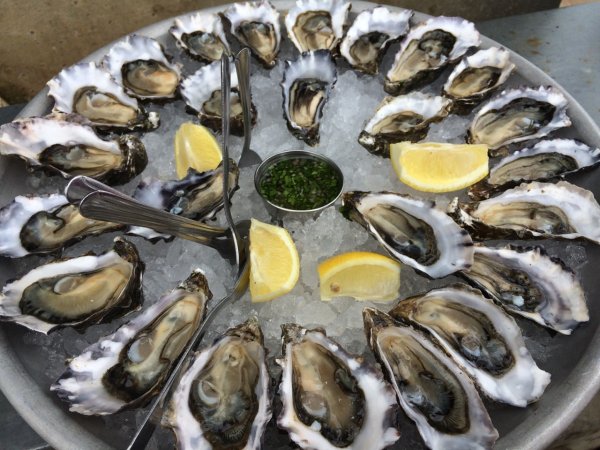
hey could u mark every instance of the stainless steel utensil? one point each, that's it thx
(248, 157)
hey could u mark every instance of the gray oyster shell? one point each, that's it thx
(201, 35)
(432, 390)
(484, 340)
(528, 282)
(413, 231)
(68, 145)
(330, 398)
(545, 161)
(45, 224)
(532, 210)
(127, 368)
(76, 292)
(223, 399)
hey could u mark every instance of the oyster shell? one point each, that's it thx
(256, 26)
(402, 118)
(44, 224)
(517, 115)
(307, 83)
(528, 282)
(481, 338)
(544, 161)
(413, 231)
(426, 50)
(476, 77)
(76, 292)
(369, 36)
(433, 391)
(222, 400)
(63, 144)
(533, 210)
(90, 91)
(331, 399)
(202, 93)
(140, 65)
(201, 35)
(125, 369)
(317, 24)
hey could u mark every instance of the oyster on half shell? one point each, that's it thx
(125, 369)
(222, 400)
(76, 292)
(201, 35)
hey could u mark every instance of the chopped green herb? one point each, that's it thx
(300, 184)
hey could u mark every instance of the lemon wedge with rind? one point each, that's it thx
(439, 167)
(274, 262)
(196, 147)
(360, 275)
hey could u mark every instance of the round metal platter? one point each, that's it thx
(573, 361)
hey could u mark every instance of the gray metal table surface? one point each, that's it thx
(562, 42)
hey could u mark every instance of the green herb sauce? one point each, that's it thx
(300, 184)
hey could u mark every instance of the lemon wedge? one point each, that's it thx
(435, 167)
(361, 275)
(195, 147)
(274, 262)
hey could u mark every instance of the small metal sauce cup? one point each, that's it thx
(279, 212)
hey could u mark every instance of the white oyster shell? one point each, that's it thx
(200, 22)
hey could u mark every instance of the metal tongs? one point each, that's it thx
(101, 202)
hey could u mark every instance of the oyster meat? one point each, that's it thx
(528, 282)
(426, 50)
(76, 292)
(307, 84)
(370, 35)
(256, 26)
(90, 91)
(140, 65)
(533, 210)
(330, 398)
(44, 224)
(476, 77)
(125, 369)
(317, 24)
(517, 115)
(433, 391)
(201, 35)
(66, 145)
(222, 401)
(413, 231)
(202, 93)
(546, 160)
(484, 340)
(403, 118)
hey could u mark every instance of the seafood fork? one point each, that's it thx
(242, 68)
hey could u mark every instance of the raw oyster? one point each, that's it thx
(544, 161)
(517, 115)
(256, 25)
(140, 65)
(198, 196)
(484, 340)
(435, 393)
(44, 224)
(76, 292)
(90, 91)
(64, 144)
(426, 50)
(222, 400)
(369, 36)
(402, 118)
(528, 282)
(533, 210)
(306, 85)
(317, 24)
(125, 369)
(201, 35)
(476, 77)
(413, 231)
(330, 398)
(202, 93)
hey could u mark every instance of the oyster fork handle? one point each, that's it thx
(242, 68)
